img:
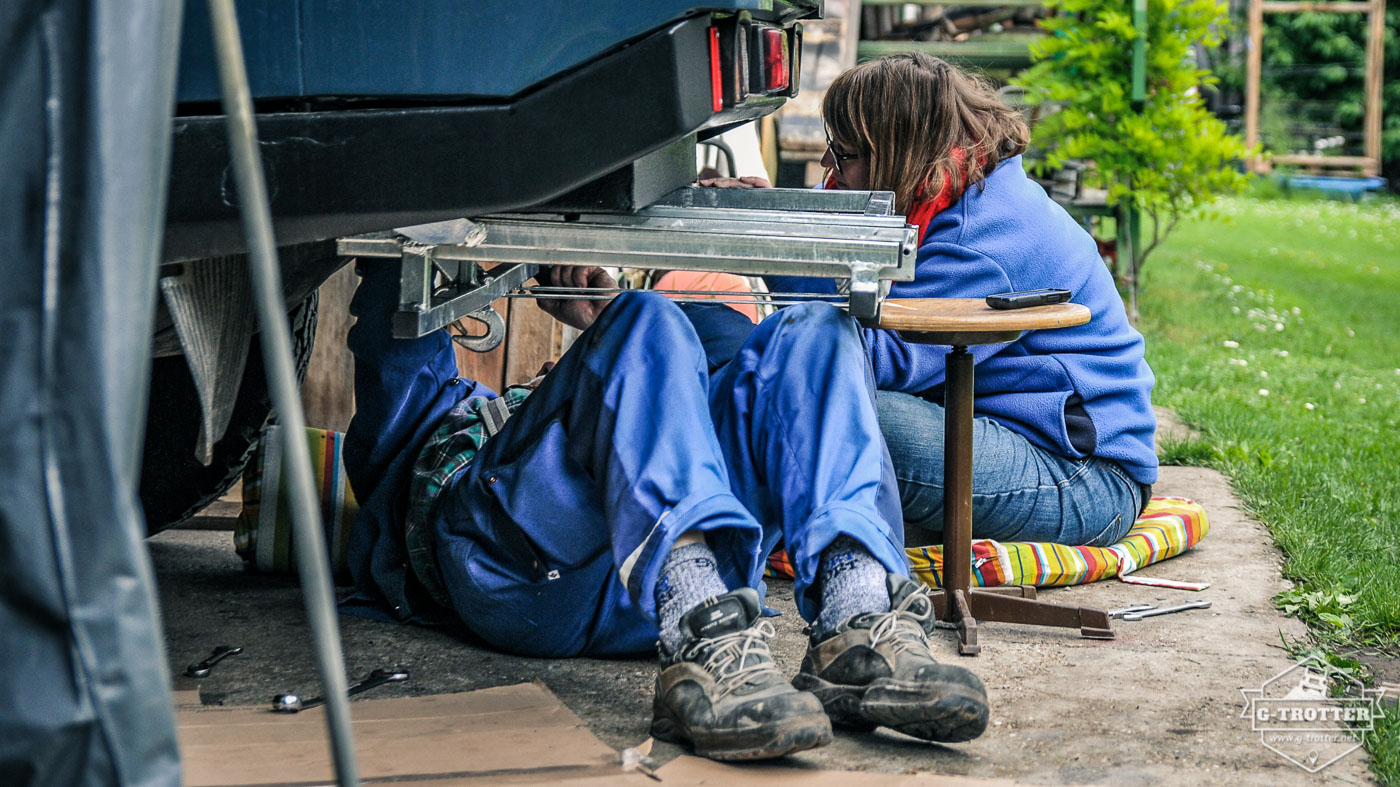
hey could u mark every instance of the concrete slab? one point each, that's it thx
(1159, 705)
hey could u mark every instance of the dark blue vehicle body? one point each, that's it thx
(385, 113)
(464, 48)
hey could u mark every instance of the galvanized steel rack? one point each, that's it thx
(852, 235)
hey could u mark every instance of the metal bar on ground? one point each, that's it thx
(312, 563)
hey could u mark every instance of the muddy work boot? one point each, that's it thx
(877, 669)
(722, 694)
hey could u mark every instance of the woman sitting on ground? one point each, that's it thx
(1062, 441)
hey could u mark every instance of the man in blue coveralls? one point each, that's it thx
(633, 495)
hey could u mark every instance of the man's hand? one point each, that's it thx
(534, 383)
(578, 312)
(746, 182)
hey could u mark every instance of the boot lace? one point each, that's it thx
(903, 626)
(734, 659)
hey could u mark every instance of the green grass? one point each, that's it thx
(1275, 330)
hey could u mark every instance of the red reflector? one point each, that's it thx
(775, 59)
(716, 81)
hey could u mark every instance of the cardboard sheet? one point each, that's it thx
(509, 735)
(515, 735)
(694, 771)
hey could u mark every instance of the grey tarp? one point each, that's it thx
(86, 92)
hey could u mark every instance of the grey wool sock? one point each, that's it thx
(688, 578)
(852, 582)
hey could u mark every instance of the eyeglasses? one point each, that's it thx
(836, 158)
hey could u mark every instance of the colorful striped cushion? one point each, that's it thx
(263, 535)
(1169, 526)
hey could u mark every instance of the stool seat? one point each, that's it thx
(971, 321)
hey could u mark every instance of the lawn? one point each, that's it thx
(1274, 329)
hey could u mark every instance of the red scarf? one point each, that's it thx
(921, 213)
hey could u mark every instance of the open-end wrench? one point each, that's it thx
(201, 669)
(291, 703)
(1152, 613)
(1131, 608)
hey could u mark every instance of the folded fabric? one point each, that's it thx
(1168, 527)
(263, 534)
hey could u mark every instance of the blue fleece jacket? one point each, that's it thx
(1009, 236)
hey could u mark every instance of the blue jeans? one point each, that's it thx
(551, 541)
(1019, 492)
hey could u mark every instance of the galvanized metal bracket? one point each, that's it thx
(792, 232)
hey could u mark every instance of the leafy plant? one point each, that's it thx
(1330, 607)
(1166, 155)
(1188, 453)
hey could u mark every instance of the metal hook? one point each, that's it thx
(495, 330)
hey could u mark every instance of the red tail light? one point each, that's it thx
(716, 79)
(775, 60)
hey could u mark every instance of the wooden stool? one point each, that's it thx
(960, 322)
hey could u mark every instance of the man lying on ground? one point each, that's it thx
(633, 495)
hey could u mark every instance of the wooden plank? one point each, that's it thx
(1367, 165)
(530, 341)
(328, 393)
(1304, 6)
(490, 367)
(1334, 161)
(1375, 57)
(1253, 65)
(1003, 51)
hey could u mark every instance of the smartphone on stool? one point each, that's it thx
(1027, 298)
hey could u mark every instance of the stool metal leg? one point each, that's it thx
(957, 496)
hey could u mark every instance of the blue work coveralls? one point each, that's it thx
(550, 542)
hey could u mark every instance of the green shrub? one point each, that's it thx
(1167, 155)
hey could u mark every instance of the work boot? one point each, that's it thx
(722, 694)
(878, 668)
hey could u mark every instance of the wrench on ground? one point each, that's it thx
(291, 703)
(201, 669)
(1131, 608)
(1152, 613)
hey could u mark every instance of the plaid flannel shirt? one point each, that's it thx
(453, 446)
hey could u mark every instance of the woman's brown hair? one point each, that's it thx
(920, 123)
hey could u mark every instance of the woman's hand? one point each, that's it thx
(577, 312)
(746, 182)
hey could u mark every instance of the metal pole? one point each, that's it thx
(312, 563)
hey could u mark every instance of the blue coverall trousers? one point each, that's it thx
(550, 542)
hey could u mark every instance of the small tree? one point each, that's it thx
(1166, 155)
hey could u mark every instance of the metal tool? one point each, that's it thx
(1152, 613)
(291, 703)
(201, 669)
(1130, 609)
